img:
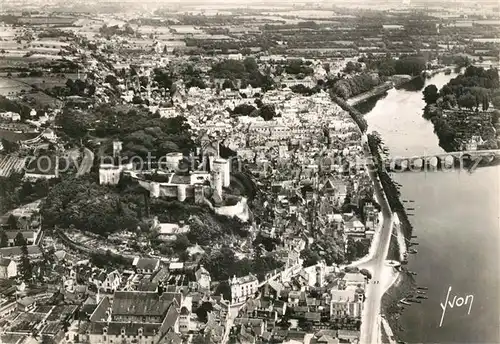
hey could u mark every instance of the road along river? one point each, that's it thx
(456, 219)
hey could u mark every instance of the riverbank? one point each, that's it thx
(395, 81)
(370, 325)
(391, 307)
(391, 190)
(355, 114)
(470, 228)
(377, 90)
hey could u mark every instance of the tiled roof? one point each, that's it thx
(143, 303)
(4, 261)
(99, 313)
(147, 263)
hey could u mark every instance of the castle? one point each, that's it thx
(211, 176)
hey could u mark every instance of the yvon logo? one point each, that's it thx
(455, 302)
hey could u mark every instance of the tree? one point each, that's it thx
(181, 243)
(467, 101)
(309, 256)
(25, 268)
(223, 289)
(352, 67)
(431, 94)
(228, 84)
(485, 102)
(496, 101)
(12, 222)
(244, 109)
(19, 240)
(446, 90)
(203, 310)
(9, 146)
(74, 123)
(267, 112)
(4, 240)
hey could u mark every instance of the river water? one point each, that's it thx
(456, 219)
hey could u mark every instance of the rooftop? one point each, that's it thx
(143, 303)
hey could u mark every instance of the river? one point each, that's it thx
(456, 219)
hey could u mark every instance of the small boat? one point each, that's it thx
(420, 292)
(422, 297)
(411, 209)
(411, 201)
(413, 236)
(404, 302)
(412, 251)
(412, 273)
(423, 288)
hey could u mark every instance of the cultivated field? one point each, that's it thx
(10, 164)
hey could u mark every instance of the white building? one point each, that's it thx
(243, 288)
(203, 278)
(110, 173)
(346, 303)
(8, 268)
(11, 116)
(112, 282)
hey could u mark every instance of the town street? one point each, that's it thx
(370, 325)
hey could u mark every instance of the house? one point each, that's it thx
(15, 253)
(203, 278)
(354, 279)
(353, 226)
(243, 287)
(29, 236)
(184, 320)
(8, 268)
(345, 303)
(348, 336)
(272, 289)
(146, 265)
(26, 304)
(111, 282)
(135, 317)
(170, 231)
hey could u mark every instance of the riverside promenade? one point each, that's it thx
(382, 272)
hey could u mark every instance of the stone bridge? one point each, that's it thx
(464, 159)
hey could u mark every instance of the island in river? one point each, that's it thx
(461, 113)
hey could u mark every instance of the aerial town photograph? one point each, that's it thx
(226, 172)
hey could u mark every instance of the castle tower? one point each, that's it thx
(217, 181)
(222, 166)
(181, 192)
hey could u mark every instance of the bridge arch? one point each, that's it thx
(447, 161)
(417, 164)
(432, 162)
